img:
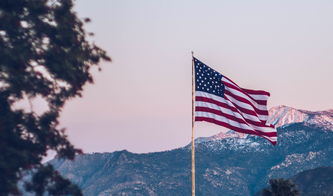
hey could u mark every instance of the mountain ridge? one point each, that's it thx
(282, 115)
(231, 166)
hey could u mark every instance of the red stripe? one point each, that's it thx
(261, 102)
(231, 117)
(238, 110)
(256, 92)
(232, 81)
(211, 120)
(241, 99)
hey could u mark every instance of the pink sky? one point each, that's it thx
(142, 100)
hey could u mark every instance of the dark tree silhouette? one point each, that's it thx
(280, 187)
(44, 55)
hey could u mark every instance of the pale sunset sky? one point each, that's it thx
(142, 100)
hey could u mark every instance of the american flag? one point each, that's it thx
(220, 101)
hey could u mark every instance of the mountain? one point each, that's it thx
(314, 182)
(225, 165)
(282, 115)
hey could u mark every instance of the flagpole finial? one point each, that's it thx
(192, 53)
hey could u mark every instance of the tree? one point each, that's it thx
(44, 55)
(280, 187)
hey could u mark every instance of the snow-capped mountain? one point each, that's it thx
(221, 136)
(282, 115)
(229, 134)
(229, 167)
(225, 164)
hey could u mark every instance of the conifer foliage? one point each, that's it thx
(280, 187)
(44, 55)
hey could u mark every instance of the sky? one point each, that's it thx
(142, 100)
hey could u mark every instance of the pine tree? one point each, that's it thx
(280, 187)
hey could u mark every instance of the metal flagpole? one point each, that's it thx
(193, 119)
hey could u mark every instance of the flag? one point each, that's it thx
(220, 101)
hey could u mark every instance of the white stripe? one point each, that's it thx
(259, 97)
(223, 119)
(254, 127)
(240, 94)
(227, 111)
(234, 123)
(231, 102)
(219, 108)
(263, 117)
(254, 96)
(245, 106)
(240, 103)
(273, 139)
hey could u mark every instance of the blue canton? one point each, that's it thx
(207, 79)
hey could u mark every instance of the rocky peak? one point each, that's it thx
(282, 115)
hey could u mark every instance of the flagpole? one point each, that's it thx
(193, 119)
